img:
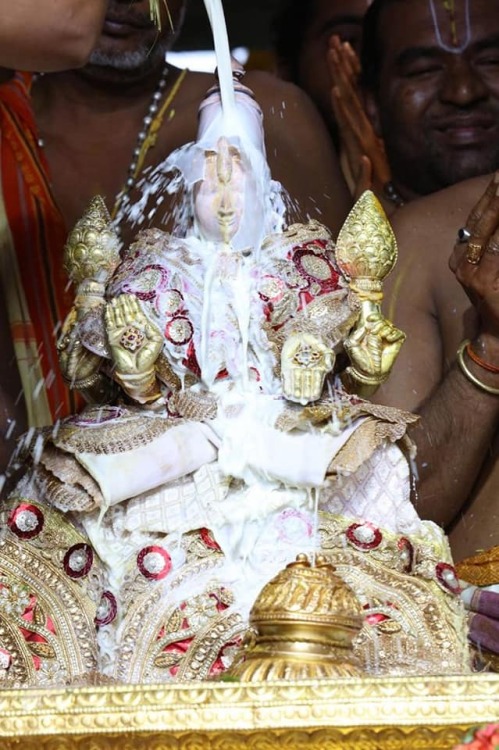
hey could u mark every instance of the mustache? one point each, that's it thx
(127, 15)
(473, 117)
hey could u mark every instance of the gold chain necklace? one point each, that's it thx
(148, 134)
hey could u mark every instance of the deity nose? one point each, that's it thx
(462, 84)
(225, 208)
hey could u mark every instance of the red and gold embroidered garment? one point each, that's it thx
(32, 237)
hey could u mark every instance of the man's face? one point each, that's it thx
(130, 42)
(438, 110)
(330, 17)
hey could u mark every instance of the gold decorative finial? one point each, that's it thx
(366, 252)
(302, 626)
(92, 248)
(366, 249)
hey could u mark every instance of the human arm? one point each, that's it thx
(300, 152)
(458, 420)
(50, 34)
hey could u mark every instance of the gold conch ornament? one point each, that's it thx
(302, 626)
(92, 253)
(366, 249)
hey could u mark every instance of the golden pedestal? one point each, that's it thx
(423, 713)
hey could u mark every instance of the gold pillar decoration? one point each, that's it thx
(302, 626)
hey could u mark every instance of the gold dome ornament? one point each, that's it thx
(302, 626)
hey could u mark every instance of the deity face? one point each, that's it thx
(437, 106)
(130, 44)
(342, 18)
(220, 197)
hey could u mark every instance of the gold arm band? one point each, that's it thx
(370, 380)
(84, 383)
(469, 375)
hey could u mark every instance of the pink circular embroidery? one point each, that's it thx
(148, 282)
(272, 289)
(314, 266)
(154, 562)
(107, 609)
(26, 521)
(447, 577)
(78, 560)
(364, 536)
(169, 303)
(179, 330)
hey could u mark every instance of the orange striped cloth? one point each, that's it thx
(32, 237)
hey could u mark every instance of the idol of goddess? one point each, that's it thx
(225, 435)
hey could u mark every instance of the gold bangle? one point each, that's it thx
(371, 380)
(469, 375)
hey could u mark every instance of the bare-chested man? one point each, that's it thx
(89, 131)
(458, 434)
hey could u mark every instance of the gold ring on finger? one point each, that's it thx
(474, 253)
(132, 339)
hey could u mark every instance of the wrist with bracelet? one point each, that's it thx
(466, 347)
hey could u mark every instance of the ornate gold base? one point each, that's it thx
(427, 713)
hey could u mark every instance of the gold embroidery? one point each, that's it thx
(129, 431)
(61, 631)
